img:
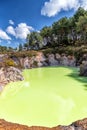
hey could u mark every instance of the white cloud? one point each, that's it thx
(84, 4)
(10, 30)
(11, 22)
(20, 31)
(53, 7)
(4, 36)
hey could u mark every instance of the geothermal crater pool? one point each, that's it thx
(47, 97)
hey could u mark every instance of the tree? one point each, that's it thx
(60, 29)
(79, 12)
(3, 49)
(20, 47)
(73, 26)
(82, 28)
(34, 40)
(46, 33)
(63, 32)
(26, 45)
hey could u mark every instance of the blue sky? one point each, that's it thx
(20, 17)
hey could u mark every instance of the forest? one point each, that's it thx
(65, 35)
(64, 32)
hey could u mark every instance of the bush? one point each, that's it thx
(9, 62)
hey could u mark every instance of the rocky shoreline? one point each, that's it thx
(77, 125)
(9, 74)
(10, 67)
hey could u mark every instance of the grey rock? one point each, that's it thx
(52, 61)
(83, 68)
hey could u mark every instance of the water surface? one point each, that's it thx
(47, 97)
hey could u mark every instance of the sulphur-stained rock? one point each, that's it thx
(78, 125)
(81, 123)
(4, 125)
(13, 74)
(26, 63)
(21, 62)
(40, 59)
(2, 75)
(9, 74)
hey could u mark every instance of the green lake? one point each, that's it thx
(47, 97)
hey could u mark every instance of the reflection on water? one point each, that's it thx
(46, 97)
(14, 88)
(65, 107)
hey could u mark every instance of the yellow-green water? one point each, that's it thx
(47, 97)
